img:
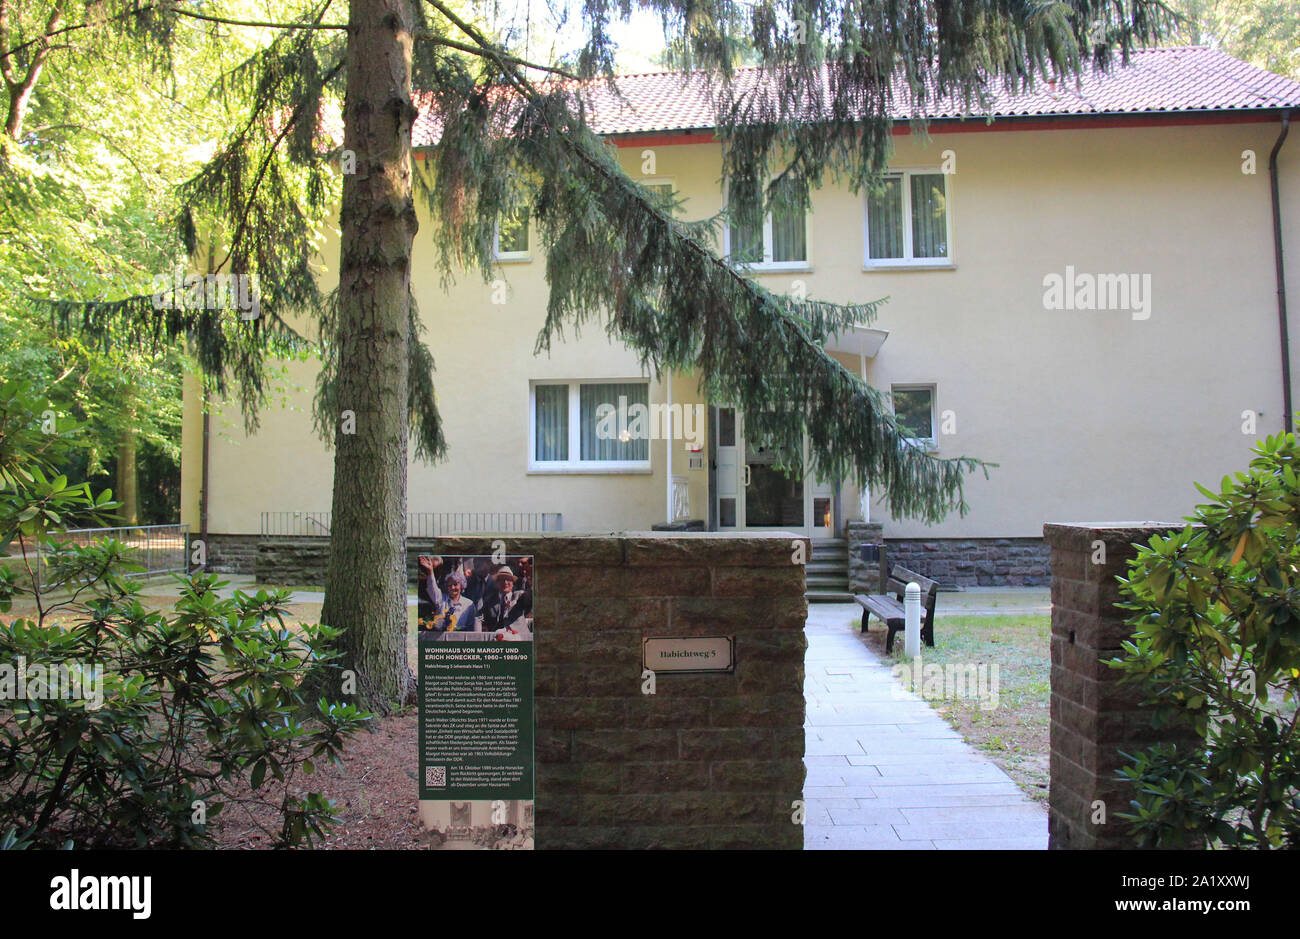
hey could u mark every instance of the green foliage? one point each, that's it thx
(169, 714)
(1216, 648)
(194, 702)
(1265, 33)
(34, 497)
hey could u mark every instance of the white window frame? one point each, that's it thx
(767, 264)
(906, 173)
(575, 464)
(669, 181)
(929, 444)
(512, 256)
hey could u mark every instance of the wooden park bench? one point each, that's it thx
(888, 607)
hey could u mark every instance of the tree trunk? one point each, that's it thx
(365, 584)
(128, 488)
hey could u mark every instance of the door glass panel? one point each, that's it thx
(773, 499)
(726, 427)
(726, 513)
(821, 512)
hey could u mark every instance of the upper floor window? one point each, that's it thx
(662, 188)
(908, 220)
(777, 241)
(512, 237)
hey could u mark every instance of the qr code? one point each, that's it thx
(435, 777)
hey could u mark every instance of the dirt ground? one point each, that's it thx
(374, 790)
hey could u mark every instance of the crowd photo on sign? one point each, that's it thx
(480, 825)
(475, 598)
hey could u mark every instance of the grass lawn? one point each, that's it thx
(1014, 733)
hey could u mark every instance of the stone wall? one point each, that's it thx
(1093, 717)
(231, 554)
(301, 560)
(708, 761)
(864, 577)
(954, 562)
(974, 562)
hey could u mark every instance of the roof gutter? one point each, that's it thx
(1280, 269)
(976, 123)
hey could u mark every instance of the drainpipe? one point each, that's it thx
(668, 445)
(203, 486)
(1281, 274)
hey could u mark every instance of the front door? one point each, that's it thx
(754, 494)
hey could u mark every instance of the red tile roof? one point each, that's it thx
(1156, 81)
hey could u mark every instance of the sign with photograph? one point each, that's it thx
(475, 629)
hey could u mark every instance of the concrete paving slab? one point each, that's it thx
(912, 780)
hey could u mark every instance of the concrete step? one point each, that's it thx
(826, 580)
(828, 596)
(841, 566)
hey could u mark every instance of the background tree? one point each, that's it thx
(105, 129)
(1262, 32)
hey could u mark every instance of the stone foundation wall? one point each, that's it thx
(954, 562)
(974, 562)
(283, 559)
(1093, 716)
(708, 761)
(231, 554)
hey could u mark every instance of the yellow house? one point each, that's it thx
(1086, 291)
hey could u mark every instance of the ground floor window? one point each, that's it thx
(914, 409)
(590, 426)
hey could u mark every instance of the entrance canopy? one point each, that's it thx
(864, 341)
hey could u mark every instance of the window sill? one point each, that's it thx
(775, 269)
(507, 259)
(634, 469)
(908, 266)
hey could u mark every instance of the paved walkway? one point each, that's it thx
(885, 771)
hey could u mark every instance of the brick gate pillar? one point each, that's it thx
(1093, 716)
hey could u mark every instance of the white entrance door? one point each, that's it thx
(754, 494)
(729, 475)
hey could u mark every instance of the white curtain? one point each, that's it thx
(611, 447)
(789, 232)
(885, 220)
(551, 440)
(746, 245)
(929, 216)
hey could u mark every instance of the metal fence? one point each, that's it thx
(421, 524)
(162, 549)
